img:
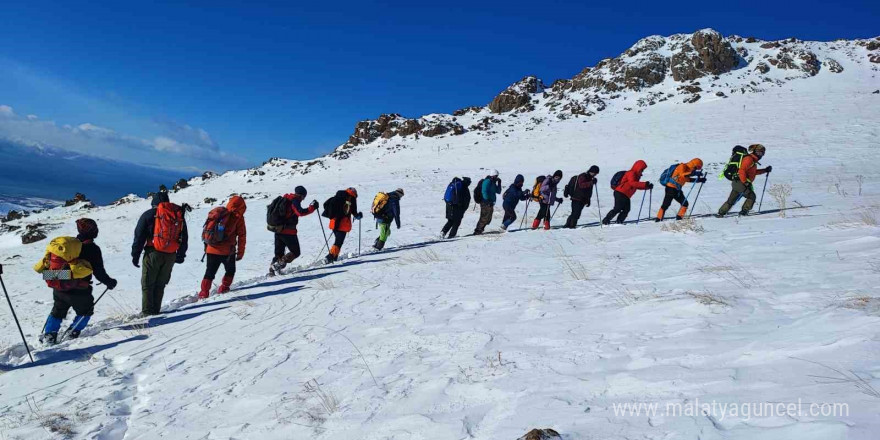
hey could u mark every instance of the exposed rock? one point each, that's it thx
(803, 60)
(708, 53)
(872, 45)
(720, 94)
(485, 123)
(517, 95)
(466, 110)
(8, 228)
(692, 99)
(275, 162)
(834, 66)
(692, 88)
(386, 126)
(443, 128)
(763, 67)
(14, 215)
(208, 175)
(751, 40)
(770, 45)
(131, 198)
(77, 198)
(874, 58)
(210, 200)
(256, 172)
(181, 184)
(541, 434)
(33, 233)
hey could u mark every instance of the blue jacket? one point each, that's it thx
(489, 190)
(391, 211)
(514, 193)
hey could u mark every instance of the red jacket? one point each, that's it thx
(748, 169)
(236, 231)
(630, 181)
(296, 211)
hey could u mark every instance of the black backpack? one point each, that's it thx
(570, 186)
(731, 170)
(616, 178)
(331, 208)
(277, 212)
(478, 191)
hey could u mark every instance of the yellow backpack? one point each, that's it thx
(61, 267)
(379, 203)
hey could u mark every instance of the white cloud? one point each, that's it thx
(32, 117)
(6, 111)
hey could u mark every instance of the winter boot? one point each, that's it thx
(225, 284)
(378, 245)
(73, 334)
(660, 215)
(536, 223)
(681, 212)
(206, 288)
(546, 225)
(50, 331)
(333, 255)
(49, 338)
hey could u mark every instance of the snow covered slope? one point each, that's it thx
(488, 337)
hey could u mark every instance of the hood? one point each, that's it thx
(593, 169)
(236, 204)
(639, 166)
(695, 164)
(519, 180)
(160, 197)
(466, 181)
(352, 192)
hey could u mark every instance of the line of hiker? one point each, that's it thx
(741, 170)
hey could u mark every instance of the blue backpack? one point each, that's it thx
(666, 176)
(452, 191)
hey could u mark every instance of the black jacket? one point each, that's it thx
(391, 211)
(143, 235)
(92, 253)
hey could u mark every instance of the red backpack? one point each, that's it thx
(168, 227)
(214, 231)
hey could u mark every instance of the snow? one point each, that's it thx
(488, 337)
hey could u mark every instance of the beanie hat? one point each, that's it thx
(300, 191)
(594, 169)
(494, 173)
(87, 229)
(352, 192)
(399, 191)
(558, 174)
(466, 181)
(757, 149)
(160, 197)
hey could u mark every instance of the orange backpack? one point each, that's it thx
(168, 227)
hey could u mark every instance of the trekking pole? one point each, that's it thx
(323, 233)
(695, 200)
(23, 340)
(359, 237)
(650, 198)
(72, 325)
(639, 217)
(554, 211)
(526, 213)
(762, 192)
(101, 296)
(598, 206)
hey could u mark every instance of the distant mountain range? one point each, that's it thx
(31, 173)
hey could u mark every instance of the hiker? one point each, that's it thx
(674, 180)
(743, 182)
(458, 199)
(282, 218)
(547, 199)
(484, 194)
(511, 197)
(162, 236)
(339, 209)
(386, 208)
(75, 292)
(580, 189)
(225, 238)
(627, 182)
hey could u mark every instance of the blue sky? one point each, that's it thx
(226, 85)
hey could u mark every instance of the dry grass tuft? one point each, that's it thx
(683, 226)
(780, 193)
(424, 256)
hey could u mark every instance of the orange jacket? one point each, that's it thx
(629, 183)
(748, 169)
(343, 224)
(236, 231)
(682, 173)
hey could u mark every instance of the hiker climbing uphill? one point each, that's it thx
(511, 197)
(580, 190)
(674, 179)
(386, 208)
(547, 199)
(457, 199)
(282, 217)
(162, 236)
(484, 195)
(225, 239)
(68, 267)
(340, 209)
(625, 184)
(742, 181)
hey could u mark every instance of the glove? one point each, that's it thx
(179, 259)
(595, 181)
(135, 259)
(769, 168)
(314, 204)
(239, 257)
(701, 180)
(559, 200)
(649, 185)
(359, 216)
(111, 284)
(398, 226)
(587, 205)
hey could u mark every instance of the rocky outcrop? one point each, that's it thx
(77, 198)
(210, 200)
(386, 126)
(33, 233)
(833, 66)
(14, 215)
(541, 434)
(443, 128)
(794, 59)
(208, 175)
(181, 184)
(466, 110)
(708, 53)
(131, 198)
(518, 95)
